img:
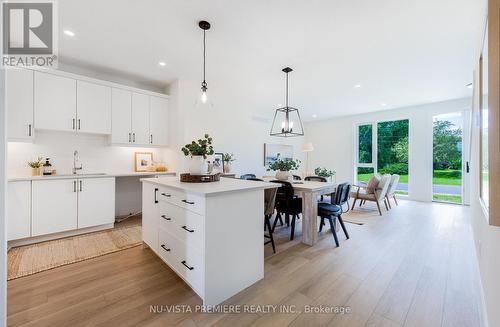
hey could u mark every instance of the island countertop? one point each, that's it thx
(213, 188)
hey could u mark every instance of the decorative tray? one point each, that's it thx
(188, 178)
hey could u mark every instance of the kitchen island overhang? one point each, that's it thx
(210, 234)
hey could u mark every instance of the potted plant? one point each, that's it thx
(228, 158)
(35, 166)
(323, 172)
(198, 151)
(282, 167)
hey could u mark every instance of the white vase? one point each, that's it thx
(227, 168)
(283, 175)
(197, 165)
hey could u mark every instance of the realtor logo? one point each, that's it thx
(29, 37)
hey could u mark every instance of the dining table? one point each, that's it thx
(309, 192)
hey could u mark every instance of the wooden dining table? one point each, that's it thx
(310, 191)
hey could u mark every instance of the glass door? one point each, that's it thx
(447, 182)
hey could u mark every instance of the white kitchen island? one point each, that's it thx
(210, 234)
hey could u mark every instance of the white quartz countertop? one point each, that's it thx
(213, 188)
(90, 175)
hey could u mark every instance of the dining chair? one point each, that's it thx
(247, 176)
(317, 179)
(377, 194)
(391, 191)
(287, 204)
(297, 178)
(333, 211)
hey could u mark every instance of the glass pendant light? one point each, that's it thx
(204, 25)
(287, 120)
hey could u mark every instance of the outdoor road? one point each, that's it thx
(437, 189)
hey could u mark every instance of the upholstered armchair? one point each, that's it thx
(373, 191)
(391, 191)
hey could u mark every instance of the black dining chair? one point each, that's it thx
(332, 211)
(247, 176)
(316, 179)
(297, 178)
(287, 204)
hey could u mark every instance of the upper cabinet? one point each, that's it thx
(55, 102)
(140, 118)
(19, 104)
(121, 117)
(158, 121)
(93, 108)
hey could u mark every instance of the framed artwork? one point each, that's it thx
(218, 164)
(143, 161)
(271, 152)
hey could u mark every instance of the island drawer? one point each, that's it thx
(183, 259)
(193, 202)
(185, 225)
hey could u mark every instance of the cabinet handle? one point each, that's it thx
(156, 198)
(81, 189)
(151, 138)
(165, 248)
(133, 135)
(74, 186)
(166, 195)
(187, 229)
(185, 265)
(79, 124)
(165, 217)
(129, 137)
(188, 202)
(73, 123)
(29, 129)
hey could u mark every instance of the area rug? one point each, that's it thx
(362, 215)
(30, 259)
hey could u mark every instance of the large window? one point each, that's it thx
(383, 152)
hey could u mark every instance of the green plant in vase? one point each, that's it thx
(324, 172)
(198, 152)
(228, 158)
(282, 167)
(35, 166)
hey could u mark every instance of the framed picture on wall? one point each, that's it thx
(143, 161)
(271, 152)
(218, 164)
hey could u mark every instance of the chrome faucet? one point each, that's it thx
(76, 158)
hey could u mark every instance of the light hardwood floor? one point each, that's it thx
(415, 266)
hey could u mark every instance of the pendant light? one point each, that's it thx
(287, 120)
(204, 25)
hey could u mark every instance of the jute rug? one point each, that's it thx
(31, 259)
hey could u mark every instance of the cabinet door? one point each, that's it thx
(140, 118)
(54, 206)
(18, 210)
(96, 201)
(121, 118)
(150, 215)
(19, 103)
(93, 108)
(55, 102)
(158, 121)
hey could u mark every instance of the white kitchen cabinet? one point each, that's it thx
(158, 121)
(150, 215)
(121, 104)
(55, 102)
(140, 118)
(18, 210)
(96, 201)
(93, 108)
(19, 104)
(54, 206)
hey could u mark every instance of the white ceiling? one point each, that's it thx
(401, 52)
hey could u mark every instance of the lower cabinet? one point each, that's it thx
(18, 210)
(61, 205)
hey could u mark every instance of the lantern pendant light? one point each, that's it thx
(287, 120)
(204, 25)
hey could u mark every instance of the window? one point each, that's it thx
(484, 124)
(383, 152)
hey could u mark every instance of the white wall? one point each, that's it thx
(3, 237)
(231, 123)
(334, 142)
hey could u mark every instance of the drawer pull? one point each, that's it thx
(166, 195)
(188, 202)
(185, 265)
(165, 248)
(165, 217)
(186, 229)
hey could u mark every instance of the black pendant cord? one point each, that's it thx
(204, 58)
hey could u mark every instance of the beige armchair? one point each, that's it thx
(377, 195)
(391, 191)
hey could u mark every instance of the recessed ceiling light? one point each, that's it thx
(162, 63)
(357, 86)
(314, 116)
(469, 85)
(69, 33)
